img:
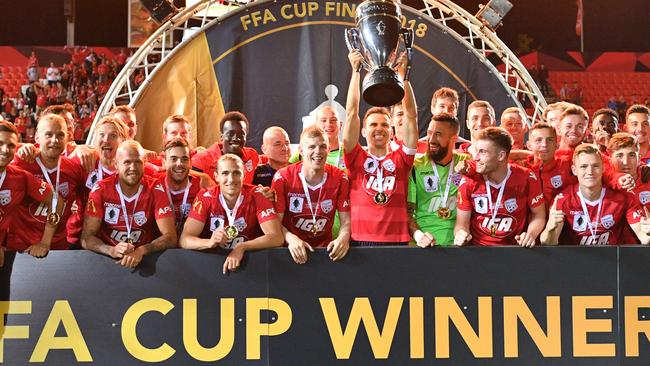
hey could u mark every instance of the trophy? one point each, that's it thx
(377, 36)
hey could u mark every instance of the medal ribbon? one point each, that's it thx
(495, 207)
(127, 223)
(308, 196)
(231, 214)
(46, 175)
(592, 228)
(186, 194)
(445, 195)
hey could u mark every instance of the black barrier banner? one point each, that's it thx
(379, 306)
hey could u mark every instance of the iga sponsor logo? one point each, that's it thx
(123, 236)
(601, 239)
(504, 225)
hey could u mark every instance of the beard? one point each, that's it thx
(440, 154)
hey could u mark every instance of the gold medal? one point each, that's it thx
(381, 198)
(444, 213)
(314, 227)
(129, 241)
(53, 219)
(231, 232)
(493, 229)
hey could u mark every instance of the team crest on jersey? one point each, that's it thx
(455, 178)
(389, 165)
(92, 179)
(556, 181)
(644, 197)
(327, 206)
(64, 189)
(370, 165)
(111, 215)
(249, 165)
(295, 204)
(185, 209)
(430, 183)
(511, 205)
(608, 221)
(140, 218)
(5, 197)
(579, 222)
(240, 223)
(216, 222)
(481, 205)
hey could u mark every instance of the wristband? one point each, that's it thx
(417, 235)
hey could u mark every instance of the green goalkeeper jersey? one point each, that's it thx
(426, 191)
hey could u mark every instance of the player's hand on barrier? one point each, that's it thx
(87, 156)
(525, 240)
(132, 259)
(234, 259)
(27, 153)
(423, 239)
(355, 58)
(645, 221)
(119, 250)
(462, 237)
(338, 248)
(38, 250)
(218, 238)
(555, 216)
(298, 250)
(627, 182)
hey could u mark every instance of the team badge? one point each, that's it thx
(185, 209)
(556, 181)
(608, 221)
(5, 197)
(295, 204)
(455, 178)
(140, 218)
(111, 215)
(327, 206)
(249, 165)
(215, 223)
(240, 223)
(430, 183)
(644, 197)
(92, 179)
(370, 165)
(64, 189)
(579, 222)
(511, 205)
(389, 165)
(481, 205)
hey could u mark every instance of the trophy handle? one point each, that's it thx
(353, 41)
(407, 36)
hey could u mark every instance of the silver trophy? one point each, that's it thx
(377, 36)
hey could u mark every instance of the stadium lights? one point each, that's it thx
(493, 13)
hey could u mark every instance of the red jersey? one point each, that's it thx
(618, 210)
(254, 210)
(75, 222)
(464, 148)
(521, 193)
(142, 209)
(369, 219)
(31, 217)
(331, 195)
(181, 201)
(554, 176)
(206, 161)
(18, 185)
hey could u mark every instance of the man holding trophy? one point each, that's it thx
(379, 177)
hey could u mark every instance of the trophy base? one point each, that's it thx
(382, 87)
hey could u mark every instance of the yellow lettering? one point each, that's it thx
(245, 21)
(582, 326)
(255, 328)
(416, 325)
(130, 323)
(330, 7)
(283, 11)
(190, 331)
(349, 10)
(268, 16)
(480, 344)
(343, 340)
(13, 331)
(514, 309)
(634, 326)
(312, 7)
(61, 314)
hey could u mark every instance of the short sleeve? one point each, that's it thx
(464, 194)
(278, 185)
(343, 203)
(535, 196)
(200, 207)
(161, 204)
(634, 210)
(412, 191)
(36, 188)
(352, 157)
(263, 207)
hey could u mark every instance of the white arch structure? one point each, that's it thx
(478, 38)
